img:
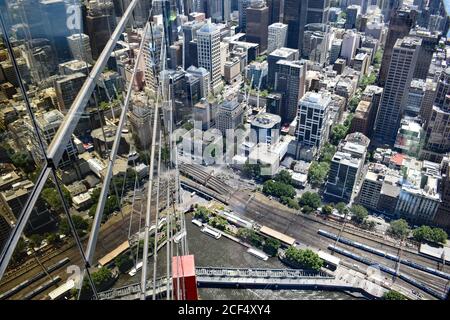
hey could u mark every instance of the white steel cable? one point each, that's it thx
(155, 248)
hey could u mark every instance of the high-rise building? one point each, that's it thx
(315, 42)
(437, 137)
(317, 11)
(5, 229)
(203, 115)
(361, 121)
(430, 41)
(48, 124)
(295, 17)
(346, 166)
(175, 89)
(257, 24)
(427, 100)
(388, 8)
(208, 53)
(80, 47)
(152, 56)
(409, 137)
(168, 11)
(230, 114)
(421, 95)
(67, 89)
(379, 189)
(335, 50)
(140, 115)
(189, 34)
(243, 5)
(313, 120)
(273, 103)
(220, 10)
(419, 198)
(361, 63)
(100, 23)
(274, 57)
(442, 218)
(266, 127)
(298, 13)
(353, 12)
(350, 43)
(13, 201)
(290, 82)
(405, 56)
(204, 79)
(54, 14)
(277, 36)
(275, 10)
(399, 27)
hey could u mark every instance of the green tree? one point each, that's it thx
(23, 160)
(368, 225)
(81, 225)
(341, 207)
(165, 154)
(359, 213)
(218, 222)
(327, 209)
(305, 259)
(250, 236)
(318, 172)
(310, 199)
(348, 120)
(188, 126)
(111, 205)
(367, 80)
(422, 233)
(278, 189)
(327, 152)
(95, 195)
(399, 229)
(123, 262)
(51, 197)
(35, 240)
(426, 233)
(393, 295)
(20, 252)
(377, 58)
(202, 213)
(271, 246)
(338, 133)
(307, 209)
(284, 177)
(439, 236)
(252, 170)
(53, 239)
(101, 278)
(291, 203)
(353, 103)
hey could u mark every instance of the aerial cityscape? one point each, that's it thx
(224, 150)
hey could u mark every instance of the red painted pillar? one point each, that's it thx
(184, 280)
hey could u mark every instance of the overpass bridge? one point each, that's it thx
(262, 278)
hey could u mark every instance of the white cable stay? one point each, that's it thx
(63, 135)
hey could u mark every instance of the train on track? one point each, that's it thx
(386, 255)
(391, 271)
(36, 277)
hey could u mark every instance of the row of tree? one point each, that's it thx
(268, 245)
(400, 229)
(318, 170)
(305, 259)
